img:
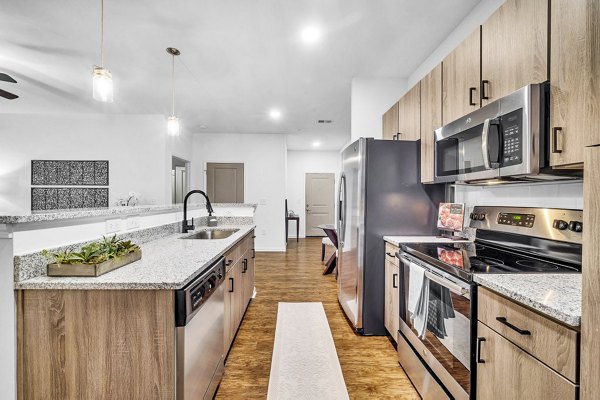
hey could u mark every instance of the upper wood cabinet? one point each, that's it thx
(409, 115)
(575, 86)
(461, 83)
(514, 48)
(431, 119)
(390, 122)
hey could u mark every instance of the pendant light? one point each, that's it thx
(173, 122)
(102, 81)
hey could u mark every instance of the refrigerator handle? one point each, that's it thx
(341, 205)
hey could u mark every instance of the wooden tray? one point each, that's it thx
(92, 269)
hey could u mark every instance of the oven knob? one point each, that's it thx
(472, 216)
(575, 226)
(560, 224)
(481, 217)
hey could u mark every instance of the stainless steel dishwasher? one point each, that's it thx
(199, 313)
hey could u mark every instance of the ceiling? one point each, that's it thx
(240, 58)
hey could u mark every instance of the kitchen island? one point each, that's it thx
(112, 335)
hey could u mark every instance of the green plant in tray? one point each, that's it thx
(95, 252)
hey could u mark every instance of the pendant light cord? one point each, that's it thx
(101, 33)
(173, 84)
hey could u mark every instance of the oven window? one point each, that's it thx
(447, 326)
(460, 153)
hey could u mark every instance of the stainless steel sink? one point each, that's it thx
(212, 234)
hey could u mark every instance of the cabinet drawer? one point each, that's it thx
(548, 341)
(506, 372)
(390, 253)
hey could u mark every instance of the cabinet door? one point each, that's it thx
(590, 312)
(575, 89)
(409, 115)
(431, 119)
(390, 122)
(229, 308)
(392, 299)
(505, 372)
(514, 48)
(461, 79)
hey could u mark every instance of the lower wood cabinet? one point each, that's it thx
(239, 281)
(391, 316)
(506, 372)
(522, 354)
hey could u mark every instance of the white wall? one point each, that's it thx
(264, 158)
(134, 145)
(476, 17)
(299, 163)
(370, 98)
(549, 195)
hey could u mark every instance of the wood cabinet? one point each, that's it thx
(506, 372)
(575, 86)
(95, 344)
(548, 341)
(590, 311)
(409, 115)
(239, 281)
(392, 292)
(431, 119)
(390, 122)
(523, 354)
(514, 48)
(461, 79)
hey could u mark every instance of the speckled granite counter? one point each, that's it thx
(57, 215)
(556, 295)
(166, 264)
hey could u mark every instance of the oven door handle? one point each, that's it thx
(453, 287)
(485, 144)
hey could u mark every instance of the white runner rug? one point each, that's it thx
(304, 364)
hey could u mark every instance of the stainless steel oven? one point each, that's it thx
(434, 341)
(505, 139)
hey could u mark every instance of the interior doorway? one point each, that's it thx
(225, 182)
(320, 202)
(179, 179)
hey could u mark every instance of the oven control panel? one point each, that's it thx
(524, 220)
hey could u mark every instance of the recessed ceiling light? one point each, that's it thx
(275, 113)
(316, 144)
(310, 34)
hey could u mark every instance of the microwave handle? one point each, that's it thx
(485, 144)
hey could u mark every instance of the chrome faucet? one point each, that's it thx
(184, 224)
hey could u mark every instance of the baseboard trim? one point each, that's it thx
(271, 249)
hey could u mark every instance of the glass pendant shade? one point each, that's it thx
(103, 85)
(173, 126)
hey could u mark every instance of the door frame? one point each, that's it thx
(188, 170)
(306, 174)
(205, 178)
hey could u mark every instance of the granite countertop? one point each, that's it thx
(555, 295)
(397, 240)
(168, 263)
(56, 215)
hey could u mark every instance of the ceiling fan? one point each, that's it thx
(7, 95)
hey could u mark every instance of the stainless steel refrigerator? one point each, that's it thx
(380, 193)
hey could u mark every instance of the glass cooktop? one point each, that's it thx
(470, 258)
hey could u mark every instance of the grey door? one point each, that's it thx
(225, 182)
(319, 196)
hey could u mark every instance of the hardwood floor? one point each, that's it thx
(369, 364)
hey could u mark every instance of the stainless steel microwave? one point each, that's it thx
(502, 141)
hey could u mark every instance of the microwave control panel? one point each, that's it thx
(524, 220)
(512, 133)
